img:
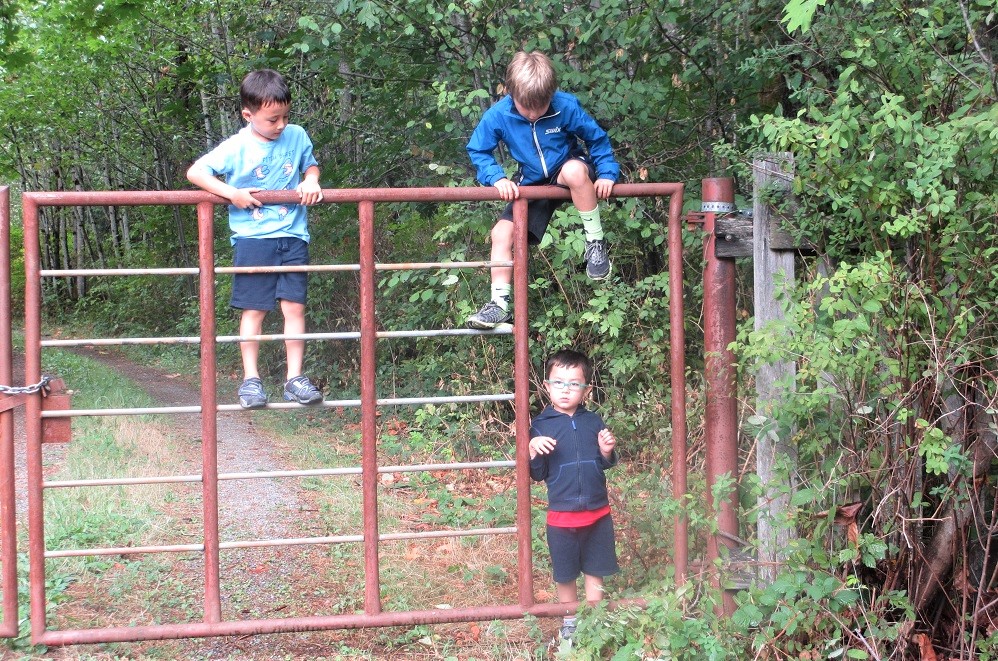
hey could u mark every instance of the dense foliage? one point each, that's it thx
(889, 110)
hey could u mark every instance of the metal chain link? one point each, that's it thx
(27, 390)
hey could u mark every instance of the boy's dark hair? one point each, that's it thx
(569, 358)
(531, 80)
(262, 87)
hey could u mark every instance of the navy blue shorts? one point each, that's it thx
(260, 291)
(588, 550)
(539, 212)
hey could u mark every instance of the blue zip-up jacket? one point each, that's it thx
(574, 469)
(541, 147)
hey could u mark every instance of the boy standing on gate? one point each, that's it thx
(541, 126)
(570, 448)
(267, 154)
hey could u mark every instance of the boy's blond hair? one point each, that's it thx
(531, 80)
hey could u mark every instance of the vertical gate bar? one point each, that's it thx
(721, 414)
(209, 401)
(32, 414)
(368, 409)
(677, 375)
(521, 402)
(8, 510)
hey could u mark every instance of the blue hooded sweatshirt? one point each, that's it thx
(574, 469)
(541, 147)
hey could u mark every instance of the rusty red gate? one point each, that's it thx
(373, 615)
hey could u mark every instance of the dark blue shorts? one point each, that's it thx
(539, 212)
(589, 550)
(261, 291)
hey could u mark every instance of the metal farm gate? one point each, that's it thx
(212, 623)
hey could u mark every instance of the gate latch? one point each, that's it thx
(55, 397)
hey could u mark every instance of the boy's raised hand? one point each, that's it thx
(507, 189)
(603, 188)
(606, 442)
(541, 445)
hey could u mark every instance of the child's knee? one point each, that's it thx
(502, 232)
(575, 174)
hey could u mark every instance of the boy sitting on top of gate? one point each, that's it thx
(267, 154)
(541, 126)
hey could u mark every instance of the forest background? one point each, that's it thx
(888, 108)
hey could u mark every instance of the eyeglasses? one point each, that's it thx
(571, 385)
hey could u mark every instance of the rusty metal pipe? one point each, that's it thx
(313, 623)
(677, 380)
(369, 408)
(521, 405)
(333, 195)
(8, 507)
(721, 415)
(32, 417)
(209, 421)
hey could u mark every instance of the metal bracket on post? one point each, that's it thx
(55, 397)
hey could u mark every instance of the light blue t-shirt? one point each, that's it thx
(249, 162)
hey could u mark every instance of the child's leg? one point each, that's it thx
(250, 323)
(497, 310)
(502, 251)
(294, 324)
(575, 174)
(594, 588)
(568, 592)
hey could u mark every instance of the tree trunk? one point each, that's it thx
(940, 553)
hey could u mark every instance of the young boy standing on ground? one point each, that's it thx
(541, 126)
(570, 448)
(267, 154)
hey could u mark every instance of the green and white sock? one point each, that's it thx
(501, 294)
(591, 224)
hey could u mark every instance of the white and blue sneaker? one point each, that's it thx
(301, 390)
(490, 316)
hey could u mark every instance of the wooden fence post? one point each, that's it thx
(773, 271)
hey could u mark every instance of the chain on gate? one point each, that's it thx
(42, 386)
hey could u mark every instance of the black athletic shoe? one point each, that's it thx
(597, 260)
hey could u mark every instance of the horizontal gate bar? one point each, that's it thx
(312, 623)
(343, 335)
(329, 403)
(125, 550)
(291, 541)
(334, 195)
(298, 268)
(385, 537)
(311, 472)
(72, 273)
